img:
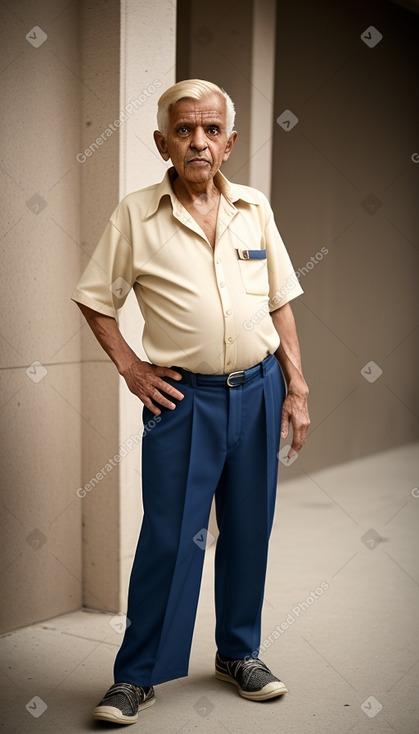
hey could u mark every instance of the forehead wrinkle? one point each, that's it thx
(199, 115)
(196, 109)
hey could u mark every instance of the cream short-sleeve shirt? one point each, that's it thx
(205, 309)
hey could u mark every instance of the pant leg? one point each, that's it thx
(183, 456)
(245, 502)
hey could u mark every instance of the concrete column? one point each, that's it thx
(147, 69)
(98, 165)
(127, 74)
(262, 95)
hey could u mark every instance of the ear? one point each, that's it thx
(230, 145)
(160, 141)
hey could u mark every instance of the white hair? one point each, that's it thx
(192, 89)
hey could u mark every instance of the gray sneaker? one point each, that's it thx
(251, 676)
(122, 703)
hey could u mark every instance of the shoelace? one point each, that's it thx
(247, 667)
(128, 690)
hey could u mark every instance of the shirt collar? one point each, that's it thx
(231, 192)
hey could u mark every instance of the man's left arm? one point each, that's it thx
(295, 408)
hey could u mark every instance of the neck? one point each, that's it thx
(188, 191)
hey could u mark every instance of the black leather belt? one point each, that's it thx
(232, 379)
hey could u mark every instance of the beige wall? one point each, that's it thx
(40, 243)
(343, 179)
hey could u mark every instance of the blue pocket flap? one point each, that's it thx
(251, 254)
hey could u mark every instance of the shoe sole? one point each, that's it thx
(263, 695)
(111, 713)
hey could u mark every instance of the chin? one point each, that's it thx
(198, 175)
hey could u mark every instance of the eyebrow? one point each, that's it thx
(189, 121)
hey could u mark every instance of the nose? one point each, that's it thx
(198, 140)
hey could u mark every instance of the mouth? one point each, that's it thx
(199, 161)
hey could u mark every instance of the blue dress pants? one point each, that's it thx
(221, 440)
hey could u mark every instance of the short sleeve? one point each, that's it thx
(283, 282)
(108, 277)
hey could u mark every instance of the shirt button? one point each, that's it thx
(218, 260)
(228, 312)
(222, 284)
(230, 339)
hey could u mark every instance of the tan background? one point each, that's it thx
(358, 121)
(355, 137)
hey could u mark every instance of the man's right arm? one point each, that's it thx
(143, 379)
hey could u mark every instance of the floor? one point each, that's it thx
(340, 623)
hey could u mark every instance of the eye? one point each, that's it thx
(183, 130)
(213, 129)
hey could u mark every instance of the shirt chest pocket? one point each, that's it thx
(254, 271)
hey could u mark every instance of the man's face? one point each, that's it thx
(196, 141)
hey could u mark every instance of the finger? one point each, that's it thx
(169, 389)
(174, 375)
(292, 452)
(167, 372)
(157, 397)
(298, 438)
(150, 405)
(165, 386)
(285, 422)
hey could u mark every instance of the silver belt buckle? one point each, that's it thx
(232, 376)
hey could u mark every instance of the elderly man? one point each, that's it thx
(213, 281)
